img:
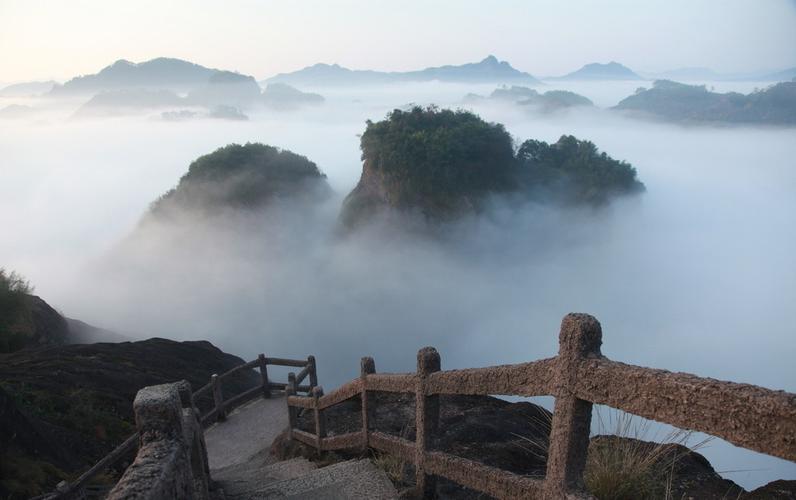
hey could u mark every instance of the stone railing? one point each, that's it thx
(172, 457)
(745, 415)
(218, 412)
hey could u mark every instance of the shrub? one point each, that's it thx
(13, 306)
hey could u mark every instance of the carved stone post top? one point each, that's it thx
(367, 365)
(158, 411)
(428, 360)
(581, 336)
(186, 394)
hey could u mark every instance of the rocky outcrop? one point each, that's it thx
(32, 322)
(79, 398)
(243, 177)
(442, 164)
(438, 163)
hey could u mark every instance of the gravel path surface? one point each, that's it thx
(248, 430)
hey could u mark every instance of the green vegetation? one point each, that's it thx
(679, 102)
(574, 171)
(92, 414)
(438, 160)
(13, 307)
(444, 162)
(22, 477)
(243, 176)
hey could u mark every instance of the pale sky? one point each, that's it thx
(41, 39)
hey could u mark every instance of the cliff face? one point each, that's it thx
(439, 163)
(62, 408)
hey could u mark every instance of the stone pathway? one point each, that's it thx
(241, 465)
(248, 430)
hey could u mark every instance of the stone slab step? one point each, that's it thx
(238, 481)
(354, 479)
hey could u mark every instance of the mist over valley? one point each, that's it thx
(343, 212)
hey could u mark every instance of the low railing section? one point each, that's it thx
(749, 416)
(218, 412)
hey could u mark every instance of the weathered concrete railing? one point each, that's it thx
(172, 457)
(221, 407)
(749, 416)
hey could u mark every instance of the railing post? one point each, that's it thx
(218, 398)
(580, 338)
(426, 419)
(290, 390)
(264, 376)
(366, 366)
(320, 418)
(313, 372)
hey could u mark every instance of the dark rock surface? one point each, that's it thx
(32, 322)
(70, 405)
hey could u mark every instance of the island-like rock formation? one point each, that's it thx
(547, 102)
(442, 163)
(678, 102)
(245, 176)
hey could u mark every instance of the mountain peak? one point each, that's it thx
(602, 71)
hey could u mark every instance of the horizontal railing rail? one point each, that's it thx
(749, 416)
(220, 408)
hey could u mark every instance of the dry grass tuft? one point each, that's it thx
(621, 463)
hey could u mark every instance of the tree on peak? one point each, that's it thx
(244, 176)
(438, 159)
(574, 171)
(442, 163)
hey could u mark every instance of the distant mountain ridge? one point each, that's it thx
(26, 89)
(488, 70)
(598, 71)
(159, 73)
(679, 102)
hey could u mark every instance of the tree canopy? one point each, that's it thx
(441, 162)
(438, 159)
(243, 176)
(13, 304)
(574, 171)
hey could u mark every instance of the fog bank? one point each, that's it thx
(695, 275)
